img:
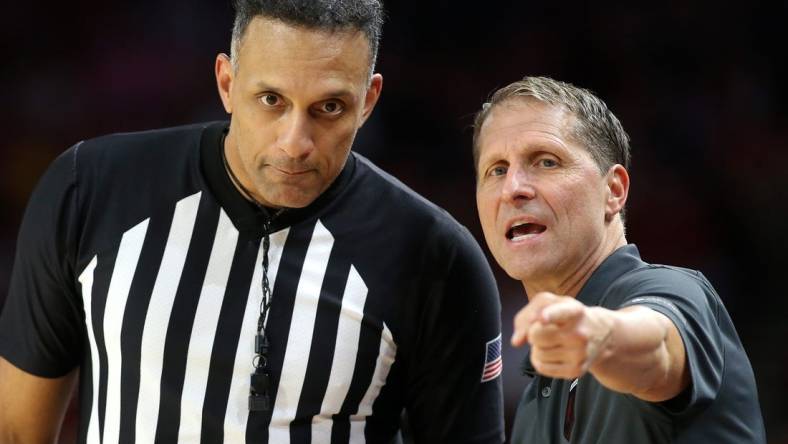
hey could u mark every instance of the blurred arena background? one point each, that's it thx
(699, 86)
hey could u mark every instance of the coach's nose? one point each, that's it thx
(518, 186)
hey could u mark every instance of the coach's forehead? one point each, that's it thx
(515, 121)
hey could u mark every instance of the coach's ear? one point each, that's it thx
(617, 190)
(224, 80)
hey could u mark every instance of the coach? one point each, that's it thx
(621, 351)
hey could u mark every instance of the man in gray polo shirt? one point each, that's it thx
(621, 351)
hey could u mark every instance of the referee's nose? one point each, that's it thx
(295, 135)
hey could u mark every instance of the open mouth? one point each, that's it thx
(520, 231)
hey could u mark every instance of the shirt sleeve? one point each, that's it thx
(454, 390)
(689, 301)
(41, 323)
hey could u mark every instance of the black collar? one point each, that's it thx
(245, 215)
(620, 262)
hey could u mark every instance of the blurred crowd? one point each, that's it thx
(699, 86)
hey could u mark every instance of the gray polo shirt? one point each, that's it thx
(721, 404)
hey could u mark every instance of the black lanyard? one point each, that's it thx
(260, 381)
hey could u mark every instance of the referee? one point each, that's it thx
(621, 351)
(253, 280)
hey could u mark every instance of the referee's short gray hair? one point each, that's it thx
(325, 15)
(595, 126)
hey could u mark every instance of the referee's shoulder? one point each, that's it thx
(124, 146)
(405, 204)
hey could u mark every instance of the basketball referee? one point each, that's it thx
(251, 281)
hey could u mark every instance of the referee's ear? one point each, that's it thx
(224, 80)
(371, 97)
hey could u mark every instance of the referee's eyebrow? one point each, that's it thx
(343, 93)
(261, 85)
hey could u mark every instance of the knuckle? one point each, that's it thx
(581, 335)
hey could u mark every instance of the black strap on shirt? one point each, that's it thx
(259, 398)
(260, 380)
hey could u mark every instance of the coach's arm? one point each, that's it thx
(632, 350)
(31, 407)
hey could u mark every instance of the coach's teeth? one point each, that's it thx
(522, 230)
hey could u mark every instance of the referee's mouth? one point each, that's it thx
(291, 172)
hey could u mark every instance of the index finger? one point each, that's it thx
(529, 314)
(562, 312)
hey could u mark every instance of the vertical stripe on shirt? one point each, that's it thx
(184, 308)
(279, 320)
(134, 317)
(237, 413)
(86, 278)
(386, 356)
(345, 353)
(101, 282)
(324, 338)
(158, 316)
(369, 347)
(117, 295)
(228, 332)
(203, 332)
(299, 344)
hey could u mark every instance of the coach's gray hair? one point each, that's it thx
(595, 126)
(324, 15)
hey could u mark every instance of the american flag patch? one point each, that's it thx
(493, 364)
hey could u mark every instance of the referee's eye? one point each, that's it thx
(331, 107)
(270, 99)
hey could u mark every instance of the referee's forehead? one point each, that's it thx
(303, 55)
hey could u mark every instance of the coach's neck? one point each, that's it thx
(569, 281)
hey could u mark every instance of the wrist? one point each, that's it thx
(604, 342)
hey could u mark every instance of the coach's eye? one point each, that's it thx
(498, 171)
(547, 162)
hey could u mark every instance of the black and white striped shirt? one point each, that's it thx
(141, 264)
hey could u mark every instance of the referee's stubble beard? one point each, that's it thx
(296, 97)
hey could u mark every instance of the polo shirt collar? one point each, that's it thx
(622, 261)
